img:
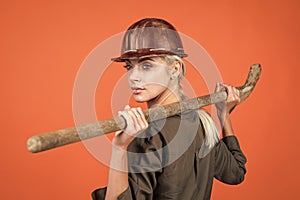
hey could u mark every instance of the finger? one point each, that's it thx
(139, 119)
(136, 113)
(127, 107)
(144, 123)
(133, 115)
(219, 87)
(234, 93)
(118, 133)
(127, 118)
(230, 93)
(237, 94)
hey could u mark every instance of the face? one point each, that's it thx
(149, 78)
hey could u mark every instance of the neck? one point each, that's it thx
(164, 98)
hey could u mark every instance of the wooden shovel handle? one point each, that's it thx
(66, 136)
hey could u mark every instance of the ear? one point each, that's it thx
(176, 69)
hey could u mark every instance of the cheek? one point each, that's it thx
(156, 89)
(160, 78)
(157, 83)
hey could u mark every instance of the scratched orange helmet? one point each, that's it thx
(148, 37)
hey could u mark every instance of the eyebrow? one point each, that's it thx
(141, 60)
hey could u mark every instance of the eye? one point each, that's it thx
(146, 66)
(128, 67)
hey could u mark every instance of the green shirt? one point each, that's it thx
(165, 162)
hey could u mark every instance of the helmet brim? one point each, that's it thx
(137, 54)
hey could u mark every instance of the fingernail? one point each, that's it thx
(127, 107)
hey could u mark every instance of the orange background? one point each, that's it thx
(43, 44)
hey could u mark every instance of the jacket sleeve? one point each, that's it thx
(144, 164)
(229, 161)
(141, 186)
(99, 194)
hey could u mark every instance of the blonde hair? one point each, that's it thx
(170, 59)
(210, 129)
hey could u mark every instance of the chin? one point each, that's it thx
(140, 99)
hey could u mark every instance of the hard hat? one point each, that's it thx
(148, 37)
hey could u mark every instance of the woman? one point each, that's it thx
(175, 158)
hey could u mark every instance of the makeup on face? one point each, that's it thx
(148, 78)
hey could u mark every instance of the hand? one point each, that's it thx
(233, 98)
(135, 124)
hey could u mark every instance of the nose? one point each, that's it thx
(134, 75)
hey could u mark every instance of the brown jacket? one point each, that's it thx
(165, 162)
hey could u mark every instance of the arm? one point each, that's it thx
(225, 108)
(145, 166)
(118, 173)
(230, 161)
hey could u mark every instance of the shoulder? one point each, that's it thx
(178, 130)
(184, 124)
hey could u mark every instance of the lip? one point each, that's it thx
(137, 90)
